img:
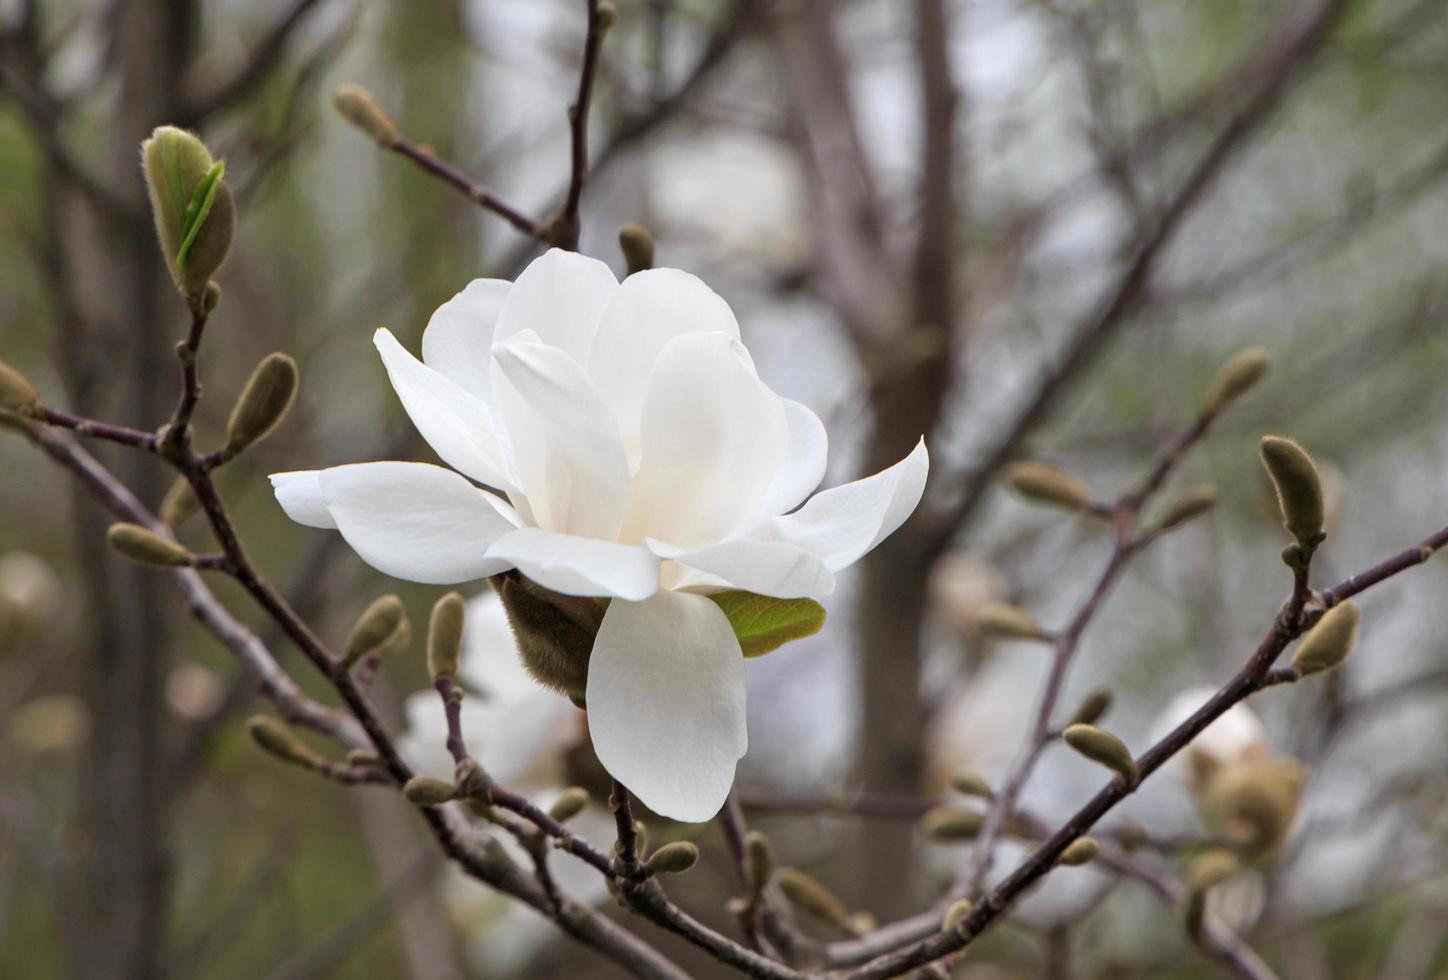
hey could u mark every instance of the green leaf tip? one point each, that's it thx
(763, 623)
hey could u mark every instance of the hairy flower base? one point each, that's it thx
(631, 452)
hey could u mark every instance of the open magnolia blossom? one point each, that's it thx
(630, 451)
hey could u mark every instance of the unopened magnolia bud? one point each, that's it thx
(607, 15)
(968, 783)
(641, 837)
(1329, 642)
(1193, 502)
(265, 399)
(950, 824)
(426, 791)
(361, 758)
(1001, 620)
(1299, 488)
(955, 915)
(356, 105)
(569, 805)
(1102, 747)
(377, 624)
(276, 738)
(1093, 706)
(210, 298)
(192, 205)
(17, 394)
(758, 861)
(1082, 850)
(1211, 868)
(445, 636)
(808, 895)
(555, 632)
(1043, 484)
(179, 503)
(637, 246)
(147, 547)
(672, 859)
(1254, 803)
(1238, 376)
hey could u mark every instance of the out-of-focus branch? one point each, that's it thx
(563, 230)
(253, 71)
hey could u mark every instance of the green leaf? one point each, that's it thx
(198, 209)
(763, 623)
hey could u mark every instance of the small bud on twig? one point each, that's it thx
(1002, 621)
(1100, 746)
(1082, 850)
(17, 394)
(1045, 485)
(951, 825)
(274, 737)
(607, 15)
(356, 105)
(672, 859)
(192, 206)
(637, 246)
(1329, 642)
(1093, 706)
(147, 547)
(445, 636)
(378, 623)
(427, 791)
(179, 503)
(1299, 488)
(569, 805)
(1211, 868)
(955, 914)
(1193, 502)
(264, 401)
(1238, 376)
(968, 783)
(808, 895)
(758, 861)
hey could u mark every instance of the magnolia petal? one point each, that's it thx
(842, 524)
(666, 702)
(417, 522)
(491, 663)
(648, 310)
(457, 425)
(560, 297)
(569, 460)
(713, 436)
(772, 568)
(300, 495)
(804, 461)
(458, 340)
(576, 565)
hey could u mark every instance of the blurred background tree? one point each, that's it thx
(1023, 227)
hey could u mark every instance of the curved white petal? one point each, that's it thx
(560, 296)
(774, 568)
(713, 436)
(417, 522)
(458, 340)
(649, 309)
(576, 565)
(300, 495)
(566, 450)
(666, 702)
(804, 461)
(457, 425)
(842, 524)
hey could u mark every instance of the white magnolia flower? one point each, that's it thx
(635, 455)
(1235, 736)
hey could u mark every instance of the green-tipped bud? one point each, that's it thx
(17, 394)
(808, 895)
(179, 503)
(1093, 707)
(1329, 642)
(445, 636)
(758, 861)
(356, 105)
(952, 824)
(263, 402)
(1211, 868)
(194, 212)
(1102, 747)
(1299, 488)
(1238, 376)
(426, 791)
(955, 915)
(147, 547)
(1082, 850)
(378, 623)
(555, 632)
(672, 859)
(637, 246)
(1003, 621)
(1193, 502)
(968, 783)
(1045, 485)
(569, 804)
(274, 737)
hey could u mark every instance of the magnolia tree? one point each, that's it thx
(634, 513)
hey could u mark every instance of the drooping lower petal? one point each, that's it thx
(666, 704)
(773, 568)
(560, 297)
(417, 522)
(842, 524)
(458, 341)
(580, 566)
(300, 494)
